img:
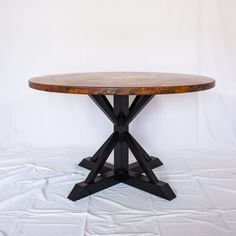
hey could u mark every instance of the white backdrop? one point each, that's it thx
(44, 135)
(185, 36)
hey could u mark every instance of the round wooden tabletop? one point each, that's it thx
(122, 83)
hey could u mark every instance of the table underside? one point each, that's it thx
(138, 174)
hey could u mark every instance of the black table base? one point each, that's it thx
(138, 174)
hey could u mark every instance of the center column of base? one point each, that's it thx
(121, 151)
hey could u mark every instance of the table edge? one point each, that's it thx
(122, 90)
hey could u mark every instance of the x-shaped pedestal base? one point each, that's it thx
(138, 174)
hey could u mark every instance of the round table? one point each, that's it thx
(121, 84)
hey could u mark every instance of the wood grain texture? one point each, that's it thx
(122, 83)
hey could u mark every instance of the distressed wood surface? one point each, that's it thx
(122, 83)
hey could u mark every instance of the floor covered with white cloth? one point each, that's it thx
(35, 183)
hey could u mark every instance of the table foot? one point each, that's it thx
(134, 179)
(89, 164)
(154, 163)
(101, 182)
(160, 189)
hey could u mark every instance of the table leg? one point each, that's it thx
(138, 174)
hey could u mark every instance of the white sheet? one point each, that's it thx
(45, 135)
(35, 183)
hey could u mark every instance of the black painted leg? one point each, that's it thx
(160, 188)
(89, 162)
(121, 110)
(121, 140)
(101, 182)
(154, 163)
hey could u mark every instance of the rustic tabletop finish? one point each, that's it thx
(126, 83)
(145, 85)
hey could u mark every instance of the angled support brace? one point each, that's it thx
(141, 161)
(138, 148)
(101, 149)
(103, 103)
(102, 158)
(138, 104)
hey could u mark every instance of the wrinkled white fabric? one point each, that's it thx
(35, 183)
(43, 136)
